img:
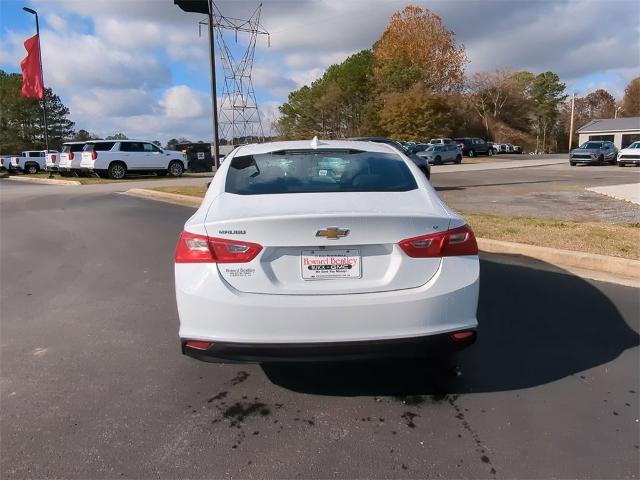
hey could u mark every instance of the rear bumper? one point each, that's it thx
(415, 347)
(212, 310)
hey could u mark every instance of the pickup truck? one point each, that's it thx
(31, 161)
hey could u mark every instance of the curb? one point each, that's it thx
(589, 261)
(623, 267)
(613, 191)
(175, 198)
(47, 181)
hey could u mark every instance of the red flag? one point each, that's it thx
(32, 70)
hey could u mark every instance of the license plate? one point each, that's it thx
(329, 264)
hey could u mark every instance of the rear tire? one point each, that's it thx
(471, 153)
(117, 170)
(490, 152)
(176, 168)
(31, 169)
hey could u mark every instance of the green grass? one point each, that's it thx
(618, 239)
(96, 180)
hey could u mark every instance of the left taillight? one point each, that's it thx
(194, 248)
(53, 159)
(454, 242)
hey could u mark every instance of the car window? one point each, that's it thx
(150, 147)
(132, 147)
(439, 149)
(591, 145)
(309, 171)
(98, 146)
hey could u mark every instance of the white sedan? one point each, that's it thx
(324, 250)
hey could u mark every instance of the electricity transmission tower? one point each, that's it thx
(239, 116)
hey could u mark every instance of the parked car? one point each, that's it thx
(419, 161)
(370, 264)
(443, 153)
(517, 149)
(70, 157)
(31, 161)
(114, 159)
(51, 160)
(629, 155)
(597, 152)
(473, 146)
(440, 141)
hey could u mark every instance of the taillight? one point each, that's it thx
(194, 248)
(457, 241)
(198, 344)
(70, 156)
(94, 155)
(53, 159)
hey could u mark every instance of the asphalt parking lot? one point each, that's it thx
(94, 385)
(550, 191)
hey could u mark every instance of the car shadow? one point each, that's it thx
(535, 327)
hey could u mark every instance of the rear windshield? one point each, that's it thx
(591, 145)
(318, 171)
(75, 147)
(98, 147)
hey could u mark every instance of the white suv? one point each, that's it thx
(70, 157)
(114, 159)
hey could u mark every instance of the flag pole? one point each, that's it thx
(44, 93)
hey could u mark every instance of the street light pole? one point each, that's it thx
(44, 99)
(573, 102)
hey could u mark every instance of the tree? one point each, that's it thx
(117, 136)
(417, 47)
(547, 92)
(417, 115)
(157, 142)
(631, 100)
(171, 144)
(22, 120)
(83, 136)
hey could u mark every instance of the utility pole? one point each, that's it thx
(573, 104)
(214, 95)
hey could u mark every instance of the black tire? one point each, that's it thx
(613, 161)
(622, 164)
(117, 170)
(31, 168)
(458, 159)
(471, 153)
(490, 152)
(573, 164)
(437, 160)
(162, 173)
(176, 168)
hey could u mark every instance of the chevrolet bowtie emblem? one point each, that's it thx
(333, 233)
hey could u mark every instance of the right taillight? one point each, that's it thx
(94, 155)
(457, 241)
(70, 155)
(194, 248)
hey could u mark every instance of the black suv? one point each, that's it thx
(472, 146)
(420, 162)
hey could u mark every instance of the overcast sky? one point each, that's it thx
(140, 67)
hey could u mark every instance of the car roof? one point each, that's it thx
(73, 143)
(369, 146)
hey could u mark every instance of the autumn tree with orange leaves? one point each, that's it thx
(417, 48)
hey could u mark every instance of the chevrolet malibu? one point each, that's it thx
(324, 250)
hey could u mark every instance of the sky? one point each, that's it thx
(140, 66)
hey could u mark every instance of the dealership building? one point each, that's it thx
(621, 131)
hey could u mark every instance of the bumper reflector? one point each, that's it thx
(198, 345)
(461, 336)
